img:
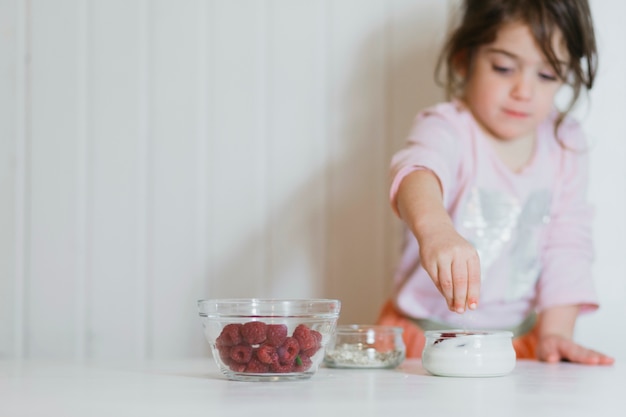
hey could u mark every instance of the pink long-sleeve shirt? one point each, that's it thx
(531, 229)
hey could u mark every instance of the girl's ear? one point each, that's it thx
(460, 63)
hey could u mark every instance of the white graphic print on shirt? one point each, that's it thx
(495, 221)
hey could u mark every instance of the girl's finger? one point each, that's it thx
(459, 283)
(444, 278)
(473, 284)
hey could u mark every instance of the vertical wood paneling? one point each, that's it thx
(208, 99)
(22, 128)
(202, 158)
(175, 289)
(9, 143)
(237, 176)
(83, 178)
(116, 187)
(296, 148)
(144, 185)
(357, 157)
(51, 275)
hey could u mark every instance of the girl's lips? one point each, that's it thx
(516, 114)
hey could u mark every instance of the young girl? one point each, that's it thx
(491, 185)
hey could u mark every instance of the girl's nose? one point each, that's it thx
(523, 87)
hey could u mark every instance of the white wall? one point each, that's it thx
(604, 123)
(156, 152)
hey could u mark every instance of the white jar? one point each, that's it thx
(468, 353)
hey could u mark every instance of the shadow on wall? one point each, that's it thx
(335, 236)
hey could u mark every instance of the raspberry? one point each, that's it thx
(224, 353)
(318, 337)
(276, 334)
(302, 363)
(305, 339)
(237, 367)
(241, 353)
(267, 354)
(230, 336)
(254, 332)
(256, 367)
(280, 368)
(318, 344)
(310, 352)
(288, 351)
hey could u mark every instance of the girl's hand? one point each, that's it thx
(453, 265)
(555, 348)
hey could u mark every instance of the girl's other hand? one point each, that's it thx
(453, 265)
(555, 348)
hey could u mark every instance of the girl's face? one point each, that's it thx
(511, 86)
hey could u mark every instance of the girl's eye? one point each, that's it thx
(547, 76)
(501, 69)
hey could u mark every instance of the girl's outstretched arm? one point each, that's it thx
(450, 260)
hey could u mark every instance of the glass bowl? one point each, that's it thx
(268, 339)
(365, 346)
(468, 353)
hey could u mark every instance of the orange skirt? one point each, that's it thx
(525, 345)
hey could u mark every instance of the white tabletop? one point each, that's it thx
(196, 388)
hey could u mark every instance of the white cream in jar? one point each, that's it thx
(468, 353)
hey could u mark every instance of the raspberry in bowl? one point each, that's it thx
(256, 339)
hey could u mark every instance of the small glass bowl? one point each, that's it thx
(468, 353)
(365, 346)
(268, 339)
